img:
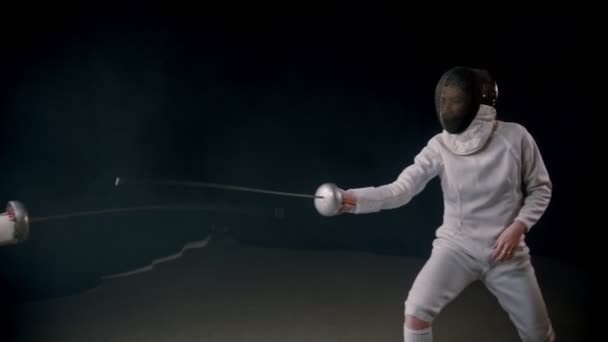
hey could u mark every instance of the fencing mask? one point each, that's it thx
(489, 88)
(457, 98)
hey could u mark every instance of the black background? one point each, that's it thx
(283, 101)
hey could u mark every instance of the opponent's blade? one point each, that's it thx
(122, 181)
(140, 208)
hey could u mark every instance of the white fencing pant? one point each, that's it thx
(449, 271)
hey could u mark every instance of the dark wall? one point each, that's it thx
(280, 102)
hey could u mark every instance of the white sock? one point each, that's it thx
(422, 335)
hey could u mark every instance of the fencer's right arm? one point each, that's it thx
(412, 180)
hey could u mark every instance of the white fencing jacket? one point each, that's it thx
(491, 174)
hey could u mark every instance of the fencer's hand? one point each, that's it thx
(11, 215)
(348, 202)
(506, 244)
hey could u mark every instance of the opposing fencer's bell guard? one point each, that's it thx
(14, 224)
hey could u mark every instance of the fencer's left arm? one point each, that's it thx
(536, 181)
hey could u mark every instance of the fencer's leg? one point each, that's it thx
(443, 277)
(417, 330)
(515, 286)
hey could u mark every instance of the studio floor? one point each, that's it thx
(223, 290)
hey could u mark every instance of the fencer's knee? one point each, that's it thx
(415, 323)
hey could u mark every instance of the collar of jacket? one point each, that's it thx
(475, 137)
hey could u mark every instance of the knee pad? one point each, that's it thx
(419, 311)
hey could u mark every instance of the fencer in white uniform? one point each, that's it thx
(495, 188)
